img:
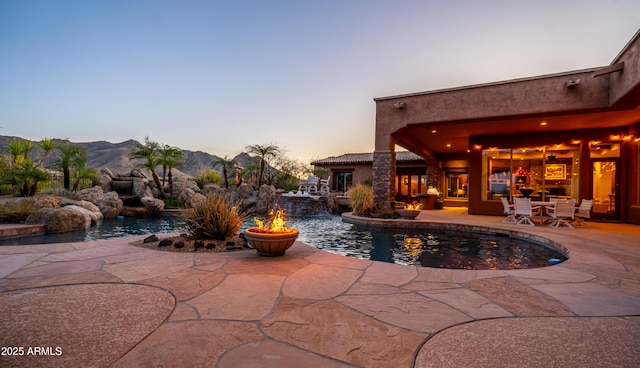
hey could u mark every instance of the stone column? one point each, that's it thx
(433, 176)
(384, 175)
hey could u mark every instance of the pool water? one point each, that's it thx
(425, 247)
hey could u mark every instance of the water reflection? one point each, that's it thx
(457, 250)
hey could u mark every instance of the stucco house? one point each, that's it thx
(571, 134)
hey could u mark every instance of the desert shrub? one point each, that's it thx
(214, 219)
(361, 199)
(208, 176)
(14, 212)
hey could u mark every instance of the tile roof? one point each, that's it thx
(364, 159)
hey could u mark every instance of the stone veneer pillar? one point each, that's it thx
(384, 174)
(433, 176)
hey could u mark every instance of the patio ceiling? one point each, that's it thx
(431, 139)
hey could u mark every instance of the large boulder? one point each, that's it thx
(141, 188)
(104, 182)
(196, 199)
(90, 216)
(94, 195)
(245, 191)
(59, 220)
(231, 196)
(182, 183)
(155, 206)
(135, 212)
(266, 199)
(93, 211)
(110, 205)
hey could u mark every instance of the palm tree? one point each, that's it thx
(224, 162)
(170, 157)
(48, 145)
(84, 173)
(250, 172)
(21, 171)
(25, 176)
(263, 152)
(150, 152)
(70, 155)
(19, 150)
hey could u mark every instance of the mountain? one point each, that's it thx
(115, 156)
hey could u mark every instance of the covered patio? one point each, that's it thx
(566, 124)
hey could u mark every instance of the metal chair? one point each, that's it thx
(313, 184)
(324, 185)
(302, 185)
(509, 210)
(524, 211)
(562, 213)
(583, 212)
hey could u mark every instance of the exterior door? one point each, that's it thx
(343, 181)
(606, 189)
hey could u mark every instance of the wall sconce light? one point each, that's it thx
(572, 83)
(399, 105)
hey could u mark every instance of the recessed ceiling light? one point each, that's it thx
(448, 144)
(543, 123)
(433, 131)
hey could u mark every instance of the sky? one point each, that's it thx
(216, 76)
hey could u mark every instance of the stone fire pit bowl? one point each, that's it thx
(270, 244)
(408, 214)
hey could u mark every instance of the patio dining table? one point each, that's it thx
(542, 215)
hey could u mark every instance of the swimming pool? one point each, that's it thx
(427, 247)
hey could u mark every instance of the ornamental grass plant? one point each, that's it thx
(361, 199)
(214, 218)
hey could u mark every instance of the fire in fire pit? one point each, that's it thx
(271, 238)
(276, 224)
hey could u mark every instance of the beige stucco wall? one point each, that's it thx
(624, 82)
(510, 99)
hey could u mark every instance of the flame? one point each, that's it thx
(413, 206)
(276, 224)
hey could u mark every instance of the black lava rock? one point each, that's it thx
(165, 243)
(150, 239)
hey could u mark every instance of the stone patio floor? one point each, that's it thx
(107, 303)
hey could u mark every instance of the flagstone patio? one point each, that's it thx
(108, 303)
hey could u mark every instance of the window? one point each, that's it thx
(497, 170)
(537, 172)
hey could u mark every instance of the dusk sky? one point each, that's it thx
(216, 76)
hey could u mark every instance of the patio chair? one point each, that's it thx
(302, 185)
(524, 211)
(324, 185)
(583, 212)
(313, 184)
(562, 213)
(509, 210)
